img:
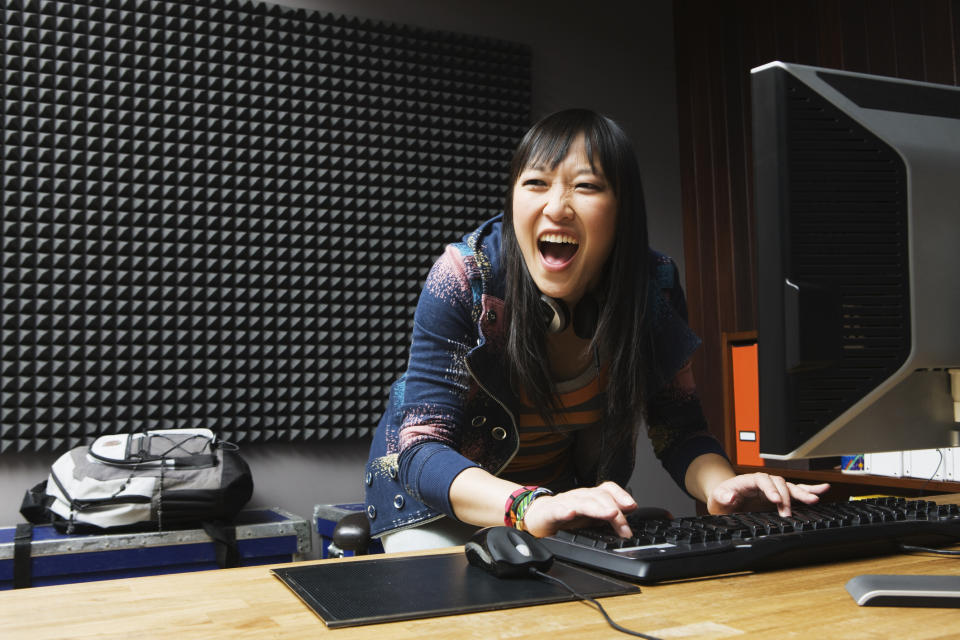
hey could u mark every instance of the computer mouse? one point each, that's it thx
(506, 552)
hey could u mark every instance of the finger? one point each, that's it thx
(785, 496)
(620, 526)
(766, 488)
(807, 493)
(800, 492)
(797, 489)
(775, 490)
(601, 505)
(623, 498)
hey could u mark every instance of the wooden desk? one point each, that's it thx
(808, 602)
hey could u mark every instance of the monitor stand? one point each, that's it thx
(873, 590)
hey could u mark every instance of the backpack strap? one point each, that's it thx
(22, 564)
(224, 537)
(35, 503)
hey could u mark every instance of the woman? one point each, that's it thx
(541, 343)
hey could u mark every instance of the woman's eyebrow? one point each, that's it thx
(580, 170)
(592, 170)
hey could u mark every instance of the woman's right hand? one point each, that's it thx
(607, 502)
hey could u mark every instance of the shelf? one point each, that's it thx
(865, 480)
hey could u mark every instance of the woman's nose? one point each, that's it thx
(557, 205)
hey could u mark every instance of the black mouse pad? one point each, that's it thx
(387, 589)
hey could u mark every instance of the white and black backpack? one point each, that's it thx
(149, 481)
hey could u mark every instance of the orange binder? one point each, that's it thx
(746, 404)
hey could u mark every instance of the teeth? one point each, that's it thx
(558, 238)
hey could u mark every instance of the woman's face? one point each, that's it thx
(564, 219)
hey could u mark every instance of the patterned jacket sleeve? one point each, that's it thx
(436, 384)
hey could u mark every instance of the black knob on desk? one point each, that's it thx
(352, 533)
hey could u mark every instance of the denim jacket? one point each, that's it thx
(454, 408)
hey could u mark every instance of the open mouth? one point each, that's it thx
(557, 248)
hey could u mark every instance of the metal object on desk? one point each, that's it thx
(264, 536)
(887, 590)
(339, 541)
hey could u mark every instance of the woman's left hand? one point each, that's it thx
(735, 493)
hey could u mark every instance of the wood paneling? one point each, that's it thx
(717, 43)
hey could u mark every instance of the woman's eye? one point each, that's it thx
(534, 182)
(589, 186)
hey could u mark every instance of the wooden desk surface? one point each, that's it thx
(808, 602)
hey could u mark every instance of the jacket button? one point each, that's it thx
(371, 511)
(498, 433)
(368, 478)
(398, 501)
(393, 473)
(491, 316)
(478, 421)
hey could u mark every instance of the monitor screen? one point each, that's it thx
(857, 198)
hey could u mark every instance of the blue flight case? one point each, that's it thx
(264, 536)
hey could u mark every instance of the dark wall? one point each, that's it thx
(717, 43)
(219, 215)
(621, 65)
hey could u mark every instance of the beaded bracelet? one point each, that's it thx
(519, 502)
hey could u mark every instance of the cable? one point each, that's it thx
(933, 475)
(939, 552)
(588, 600)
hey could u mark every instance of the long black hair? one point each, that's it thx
(621, 335)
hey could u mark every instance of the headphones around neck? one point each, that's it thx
(557, 317)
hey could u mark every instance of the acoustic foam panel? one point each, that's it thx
(220, 214)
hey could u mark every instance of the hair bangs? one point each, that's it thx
(546, 146)
(547, 151)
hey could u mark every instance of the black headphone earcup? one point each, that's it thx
(556, 315)
(586, 317)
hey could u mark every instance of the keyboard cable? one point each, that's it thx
(939, 552)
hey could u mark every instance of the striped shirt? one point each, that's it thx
(547, 455)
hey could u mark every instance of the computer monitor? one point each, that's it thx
(857, 201)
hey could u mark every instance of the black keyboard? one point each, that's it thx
(711, 545)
